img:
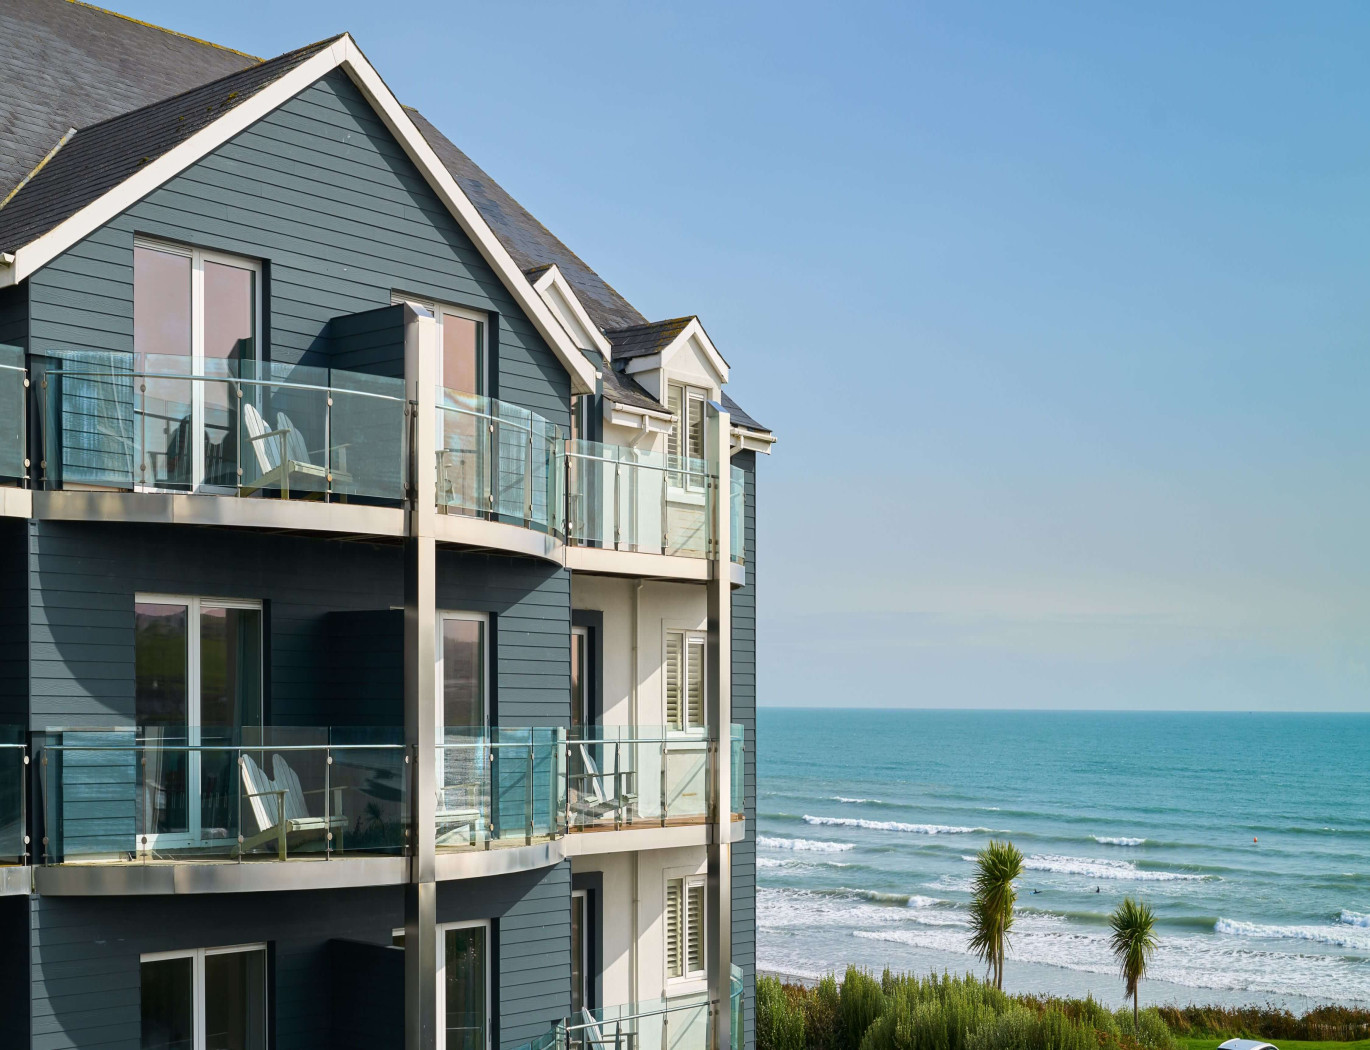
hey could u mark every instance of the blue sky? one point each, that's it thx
(1059, 311)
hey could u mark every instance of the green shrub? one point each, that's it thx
(822, 1016)
(779, 1015)
(860, 1003)
(1151, 1031)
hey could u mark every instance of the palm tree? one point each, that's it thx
(991, 907)
(1133, 941)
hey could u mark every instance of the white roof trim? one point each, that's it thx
(743, 440)
(553, 278)
(693, 330)
(345, 54)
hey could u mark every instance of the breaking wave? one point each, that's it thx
(891, 825)
(1106, 869)
(1336, 936)
(810, 845)
(1118, 840)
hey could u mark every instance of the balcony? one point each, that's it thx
(500, 787)
(650, 776)
(14, 842)
(268, 432)
(14, 472)
(677, 1023)
(163, 796)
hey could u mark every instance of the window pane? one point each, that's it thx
(161, 304)
(464, 985)
(578, 968)
(160, 657)
(230, 668)
(235, 1001)
(461, 353)
(463, 680)
(230, 312)
(578, 683)
(167, 1000)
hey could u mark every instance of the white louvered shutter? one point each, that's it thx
(695, 447)
(673, 444)
(675, 659)
(694, 937)
(694, 684)
(674, 905)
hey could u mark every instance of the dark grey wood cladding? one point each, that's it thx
(83, 578)
(323, 194)
(85, 953)
(744, 714)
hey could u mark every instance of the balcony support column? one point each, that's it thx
(718, 693)
(420, 682)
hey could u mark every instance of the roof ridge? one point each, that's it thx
(316, 46)
(162, 29)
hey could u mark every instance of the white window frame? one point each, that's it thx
(441, 996)
(437, 307)
(581, 636)
(690, 638)
(690, 486)
(687, 878)
(198, 257)
(439, 699)
(194, 605)
(197, 983)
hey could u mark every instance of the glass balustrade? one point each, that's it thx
(735, 999)
(618, 776)
(620, 498)
(13, 409)
(246, 428)
(500, 787)
(677, 1023)
(13, 795)
(500, 462)
(737, 771)
(162, 793)
(737, 497)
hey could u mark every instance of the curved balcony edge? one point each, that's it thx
(16, 503)
(189, 877)
(464, 530)
(175, 508)
(502, 860)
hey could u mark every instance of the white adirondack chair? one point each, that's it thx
(464, 772)
(282, 452)
(597, 799)
(279, 809)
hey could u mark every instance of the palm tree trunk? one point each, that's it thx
(1135, 996)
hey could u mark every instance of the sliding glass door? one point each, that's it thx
(198, 685)
(463, 987)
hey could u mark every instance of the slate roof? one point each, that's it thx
(643, 340)
(68, 64)
(100, 157)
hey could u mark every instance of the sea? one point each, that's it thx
(1247, 834)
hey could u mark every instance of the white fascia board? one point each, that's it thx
(342, 53)
(693, 330)
(639, 418)
(741, 440)
(553, 278)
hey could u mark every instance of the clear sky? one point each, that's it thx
(1060, 312)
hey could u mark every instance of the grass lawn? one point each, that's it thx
(1283, 1044)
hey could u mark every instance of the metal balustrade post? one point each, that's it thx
(618, 500)
(327, 804)
(665, 515)
(665, 799)
(528, 480)
(328, 444)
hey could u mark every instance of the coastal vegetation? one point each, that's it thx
(945, 1012)
(1133, 942)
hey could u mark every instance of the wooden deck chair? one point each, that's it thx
(278, 457)
(279, 809)
(597, 799)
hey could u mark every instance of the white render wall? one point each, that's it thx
(660, 606)
(616, 923)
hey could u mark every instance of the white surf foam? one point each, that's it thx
(890, 825)
(1337, 936)
(809, 845)
(1353, 918)
(1124, 870)
(855, 801)
(1117, 840)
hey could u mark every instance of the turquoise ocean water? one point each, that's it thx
(1249, 834)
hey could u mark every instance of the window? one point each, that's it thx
(461, 335)
(684, 674)
(463, 986)
(580, 677)
(685, 928)
(685, 441)
(197, 681)
(580, 957)
(195, 313)
(205, 999)
(463, 665)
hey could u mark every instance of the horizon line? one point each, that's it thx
(1072, 710)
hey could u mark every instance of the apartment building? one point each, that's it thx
(377, 585)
